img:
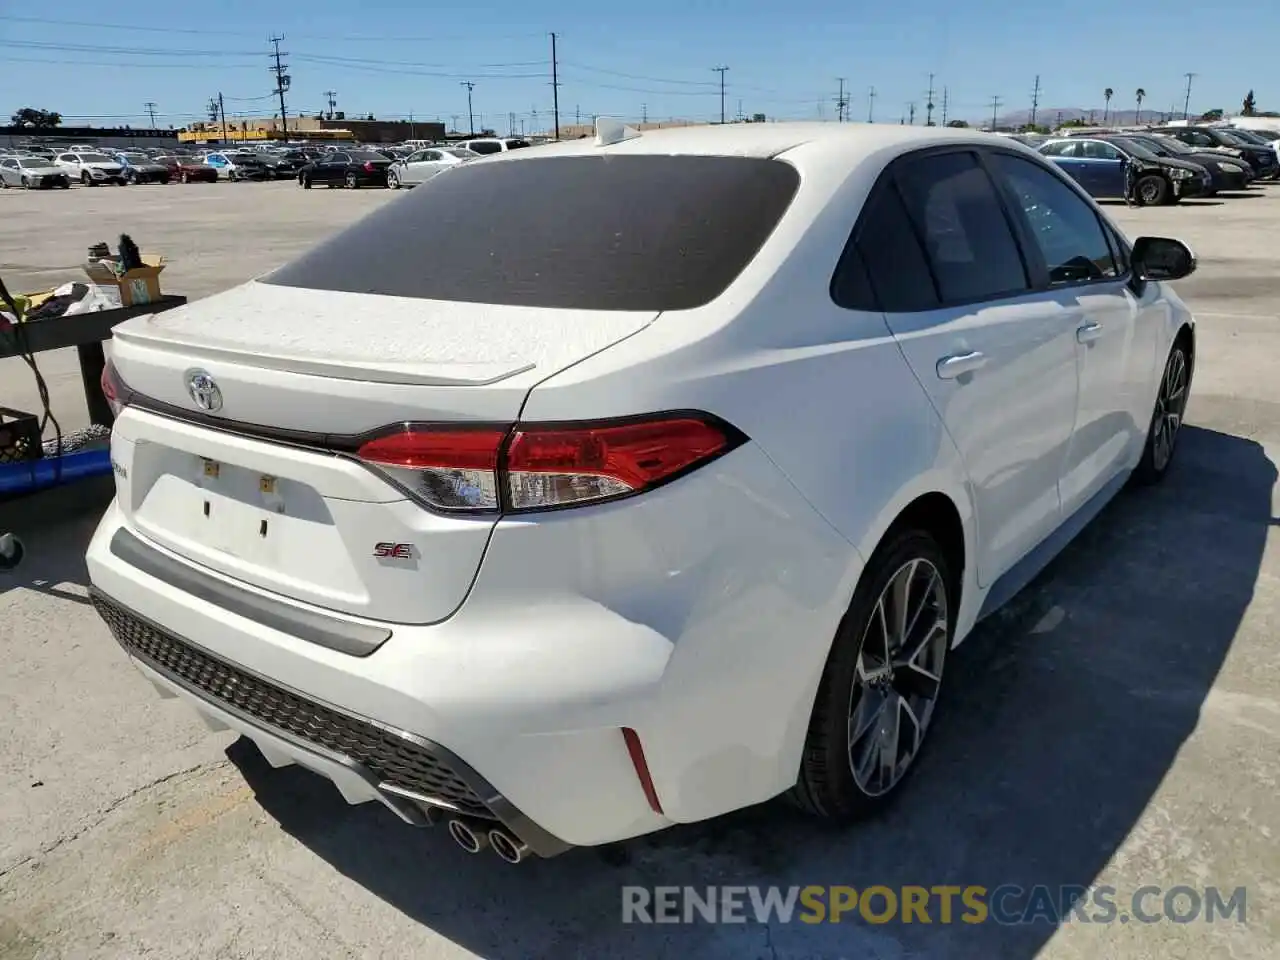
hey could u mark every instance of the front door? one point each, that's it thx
(997, 359)
(1087, 281)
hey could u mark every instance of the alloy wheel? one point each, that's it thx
(898, 676)
(1170, 405)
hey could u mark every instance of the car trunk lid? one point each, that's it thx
(266, 488)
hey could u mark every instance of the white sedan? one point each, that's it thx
(666, 486)
(421, 166)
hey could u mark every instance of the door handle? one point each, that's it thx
(1089, 332)
(957, 366)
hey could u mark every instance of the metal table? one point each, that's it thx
(86, 332)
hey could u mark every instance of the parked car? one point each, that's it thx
(1259, 137)
(425, 164)
(597, 576)
(90, 168)
(284, 166)
(140, 168)
(1101, 167)
(32, 173)
(238, 166)
(349, 168)
(187, 169)
(1261, 159)
(484, 145)
(1225, 172)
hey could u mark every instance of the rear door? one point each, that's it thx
(1105, 168)
(996, 358)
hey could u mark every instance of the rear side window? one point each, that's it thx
(889, 260)
(632, 232)
(960, 218)
(482, 146)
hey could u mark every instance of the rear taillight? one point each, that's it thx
(368, 166)
(543, 467)
(114, 389)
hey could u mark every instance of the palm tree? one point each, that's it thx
(1107, 94)
(1140, 95)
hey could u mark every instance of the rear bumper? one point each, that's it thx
(692, 616)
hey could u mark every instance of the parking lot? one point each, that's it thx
(1117, 725)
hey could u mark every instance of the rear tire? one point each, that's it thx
(878, 695)
(1167, 418)
(393, 182)
(352, 182)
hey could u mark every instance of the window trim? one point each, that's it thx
(1026, 236)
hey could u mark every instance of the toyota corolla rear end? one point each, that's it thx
(337, 532)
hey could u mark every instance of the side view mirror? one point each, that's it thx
(1162, 258)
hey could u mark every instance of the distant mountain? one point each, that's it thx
(1051, 116)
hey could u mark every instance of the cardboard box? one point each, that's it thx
(136, 286)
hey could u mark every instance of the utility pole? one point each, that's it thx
(721, 71)
(644, 113)
(577, 115)
(945, 94)
(282, 79)
(151, 111)
(911, 113)
(871, 106)
(454, 125)
(471, 114)
(842, 102)
(511, 124)
(555, 85)
(332, 97)
(216, 112)
(1186, 103)
(1035, 100)
(740, 116)
(995, 110)
(928, 104)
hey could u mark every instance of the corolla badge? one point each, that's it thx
(203, 390)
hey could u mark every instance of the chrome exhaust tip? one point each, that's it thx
(506, 846)
(467, 838)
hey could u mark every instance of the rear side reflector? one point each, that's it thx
(636, 751)
(542, 467)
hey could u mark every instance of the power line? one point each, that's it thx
(282, 79)
(471, 114)
(721, 71)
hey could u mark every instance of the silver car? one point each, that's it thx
(425, 164)
(31, 172)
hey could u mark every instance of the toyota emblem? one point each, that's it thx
(204, 391)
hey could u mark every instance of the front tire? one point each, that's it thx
(880, 687)
(87, 180)
(1166, 420)
(1153, 191)
(393, 181)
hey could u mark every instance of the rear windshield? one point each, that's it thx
(367, 156)
(639, 232)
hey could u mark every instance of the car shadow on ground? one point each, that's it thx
(55, 526)
(1065, 712)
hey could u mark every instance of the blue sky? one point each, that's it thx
(653, 58)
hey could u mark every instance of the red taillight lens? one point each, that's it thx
(114, 389)
(449, 469)
(556, 467)
(541, 468)
(368, 166)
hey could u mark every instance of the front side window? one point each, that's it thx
(1065, 228)
(959, 216)
(1097, 150)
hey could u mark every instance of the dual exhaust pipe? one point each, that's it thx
(475, 835)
